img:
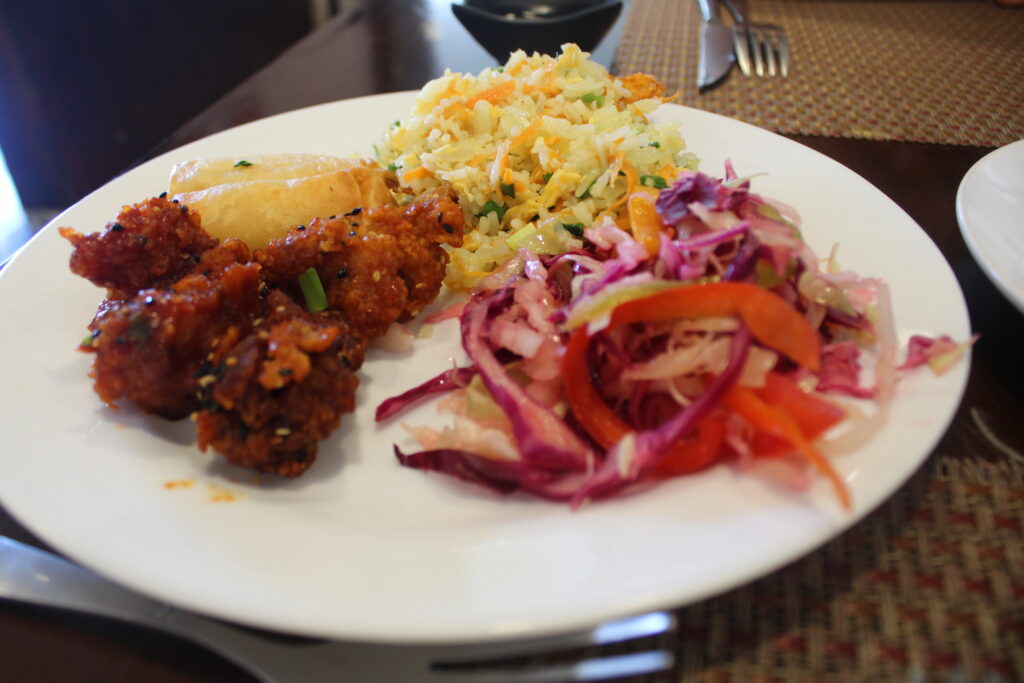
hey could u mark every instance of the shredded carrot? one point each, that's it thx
(666, 100)
(492, 95)
(527, 132)
(636, 110)
(669, 172)
(769, 419)
(644, 221)
(418, 173)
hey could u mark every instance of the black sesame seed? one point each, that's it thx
(448, 229)
(331, 218)
(342, 273)
(352, 233)
(300, 227)
(184, 209)
(149, 300)
(175, 201)
(142, 240)
(355, 212)
(440, 216)
(117, 227)
(163, 195)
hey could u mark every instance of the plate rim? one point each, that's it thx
(969, 229)
(640, 603)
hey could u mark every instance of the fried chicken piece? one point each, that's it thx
(268, 400)
(641, 87)
(378, 266)
(151, 347)
(152, 244)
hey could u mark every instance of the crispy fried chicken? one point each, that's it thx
(378, 265)
(193, 326)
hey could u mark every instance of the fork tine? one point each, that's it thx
(769, 53)
(783, 42)
(757, 43)
(741, 45)
(595, 669)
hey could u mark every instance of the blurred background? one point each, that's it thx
(87, 89)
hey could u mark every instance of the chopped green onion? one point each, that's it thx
(243, 162)
(655, 144)
(586, 192)
(516, 239)
(392, 167)
(575, 229)
(493, 207)
(499, 69)
(547, 176)
(313, 290)
(397, 123)
(653, 181)
(593, 98)
(508, 190)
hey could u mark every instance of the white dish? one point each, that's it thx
(361, 548)
(990, 210)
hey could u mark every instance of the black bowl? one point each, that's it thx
(503, 26)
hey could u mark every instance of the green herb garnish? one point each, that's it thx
(653, 181)
(508, 190)
(243, 162)
(313, 290)
(575, 229)
(655, 144)
(392, 167)
(593, 98)
(493, 207)
(547, 176)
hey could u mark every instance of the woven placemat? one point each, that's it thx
(930, 587)
(911, 70)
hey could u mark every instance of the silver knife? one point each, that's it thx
(716, 56)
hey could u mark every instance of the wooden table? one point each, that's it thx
(389, 45)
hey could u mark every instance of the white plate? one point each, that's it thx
(990, 210)
(362, 548)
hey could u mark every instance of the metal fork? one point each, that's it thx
(34, 576)
(761, 49)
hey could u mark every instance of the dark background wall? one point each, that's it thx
(87, 88)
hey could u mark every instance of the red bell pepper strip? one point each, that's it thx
(812, 414)
(770, 318)
(692, 455)
(775, 422)
(607, 428)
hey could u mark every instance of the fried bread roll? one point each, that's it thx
(259, 202)
(199, 174)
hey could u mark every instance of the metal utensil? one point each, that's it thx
(716, 46)
(761, 49)
(34, 576)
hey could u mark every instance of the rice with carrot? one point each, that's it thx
(537, 150)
